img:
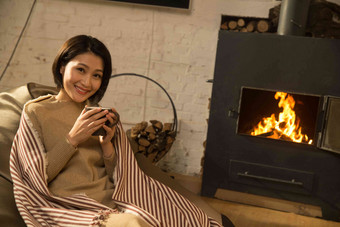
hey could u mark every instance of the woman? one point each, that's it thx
(64, 176)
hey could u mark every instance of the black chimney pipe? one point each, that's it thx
(293, 17)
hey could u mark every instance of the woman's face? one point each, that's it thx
(82, 77)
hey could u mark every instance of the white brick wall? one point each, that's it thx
(176, 48)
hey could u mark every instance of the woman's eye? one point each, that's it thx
(81, 70)
(98, 76)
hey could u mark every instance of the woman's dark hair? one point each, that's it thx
(79, 45)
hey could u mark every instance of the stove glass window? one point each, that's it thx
(278, 115)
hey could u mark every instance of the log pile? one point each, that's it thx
(246, 25)
(153, 140)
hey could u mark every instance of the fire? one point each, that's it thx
(286, 126)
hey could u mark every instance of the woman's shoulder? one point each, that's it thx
(37, 104)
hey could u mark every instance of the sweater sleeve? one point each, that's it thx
(58, 158)
(110, 164)
(59, 155)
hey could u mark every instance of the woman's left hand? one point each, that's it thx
(110, 132)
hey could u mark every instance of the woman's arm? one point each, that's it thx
(109, 156)
(106, 142)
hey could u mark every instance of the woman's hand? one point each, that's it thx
(87, 123)
(110, 132)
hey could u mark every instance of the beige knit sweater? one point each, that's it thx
(69, 170)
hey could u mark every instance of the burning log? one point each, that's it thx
(266, 134)
(275, 134)
(154, 140)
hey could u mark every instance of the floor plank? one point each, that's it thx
(250, 215)
(245, 215)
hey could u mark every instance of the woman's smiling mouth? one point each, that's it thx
(81, 91)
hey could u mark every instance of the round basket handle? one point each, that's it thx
(174, 125)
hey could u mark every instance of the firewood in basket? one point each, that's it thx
(139, 127)
(161, 134)
(157, 125)
(263, 26)
(160, 144)
(144, 133)
(133, 135)
(151, 136)
(144, 142)
(151, 149)
(167, 127)
(172, 134)
(150, 129)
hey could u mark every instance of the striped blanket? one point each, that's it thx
(135, 192)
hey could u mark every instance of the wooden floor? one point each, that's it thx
(244, 215)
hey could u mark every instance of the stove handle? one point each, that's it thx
(246, 174)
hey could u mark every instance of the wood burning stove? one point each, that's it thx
(256, 77)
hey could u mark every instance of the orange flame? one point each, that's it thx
(286, 126)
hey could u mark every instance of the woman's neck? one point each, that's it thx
(63, 96)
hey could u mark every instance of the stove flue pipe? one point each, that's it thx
(293, 17)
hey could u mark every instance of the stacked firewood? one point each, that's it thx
(153, 140)
(247, 25)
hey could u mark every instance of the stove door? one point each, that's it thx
(330, 136)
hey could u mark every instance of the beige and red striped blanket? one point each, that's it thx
(135, 192)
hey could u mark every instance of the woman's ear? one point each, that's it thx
(62, 70)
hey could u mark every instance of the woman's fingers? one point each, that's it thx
(98, 115)
(110, 117)
(88, 112)
(110, 132)
(100, 121)
(95, 128)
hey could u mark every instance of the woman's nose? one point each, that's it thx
(86, 80)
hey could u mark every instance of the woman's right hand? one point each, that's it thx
(86, 124)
